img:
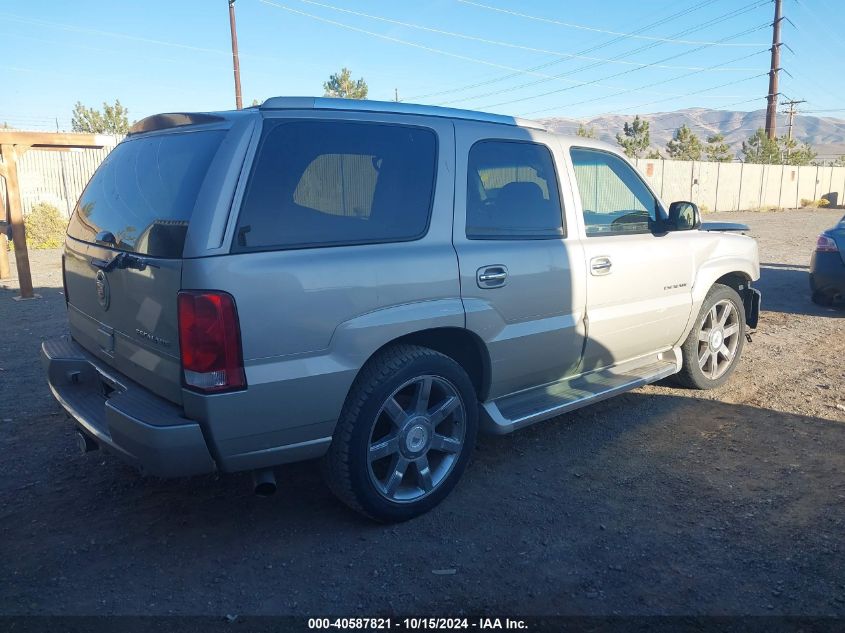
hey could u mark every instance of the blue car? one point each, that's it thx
(827, 267)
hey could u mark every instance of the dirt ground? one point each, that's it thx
(661, 501)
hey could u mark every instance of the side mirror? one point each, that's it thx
(684, 216)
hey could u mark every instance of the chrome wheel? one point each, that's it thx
(416, 439)
(718, 338)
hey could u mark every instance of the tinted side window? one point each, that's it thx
(614, 198)
(512, 192)
(318, 183)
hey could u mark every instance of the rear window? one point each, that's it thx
(145, 191)
(319, 183)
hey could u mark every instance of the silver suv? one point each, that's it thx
(372, 284)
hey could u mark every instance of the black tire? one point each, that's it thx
(347, 467)
(822, 299)
(692, 375)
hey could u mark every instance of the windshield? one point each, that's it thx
(144, 193)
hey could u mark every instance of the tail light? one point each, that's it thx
(209, 341)
(825, 244)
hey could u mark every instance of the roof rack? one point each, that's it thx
(329, 103)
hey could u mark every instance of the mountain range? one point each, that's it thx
(826, 135)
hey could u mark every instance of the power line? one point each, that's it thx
(721, 18)
(596, 81)
(650, 102)
(501, 43)
(125, 36)
(597, 30)
(425, 47)
(595, 47)
(417, 45)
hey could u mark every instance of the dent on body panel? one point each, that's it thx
(356, 339)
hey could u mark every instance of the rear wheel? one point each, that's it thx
(824, 299)
(713, 347)
(405, 434)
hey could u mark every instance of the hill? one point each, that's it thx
(825, 134)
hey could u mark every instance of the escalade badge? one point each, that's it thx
(103, 292)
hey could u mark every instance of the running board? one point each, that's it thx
(523, 408)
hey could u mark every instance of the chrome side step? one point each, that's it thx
(523, 408)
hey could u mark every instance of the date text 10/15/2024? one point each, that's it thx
(414, 624)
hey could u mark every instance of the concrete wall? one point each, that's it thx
(738, 186)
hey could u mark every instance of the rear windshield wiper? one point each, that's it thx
(122, 261)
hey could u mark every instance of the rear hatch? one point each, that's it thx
(123, 255)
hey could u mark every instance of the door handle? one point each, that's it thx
(600, 265)
(491, 276)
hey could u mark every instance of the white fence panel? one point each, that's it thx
(58, 178)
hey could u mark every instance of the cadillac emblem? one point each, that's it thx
(103, 292)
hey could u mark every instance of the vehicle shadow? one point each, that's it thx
(786, 288)
(642, 504)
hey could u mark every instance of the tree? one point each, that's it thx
(342, 85)
(759, 148)
(112, 120)
(716, 150)
(654, 154)
(635, 139)
(794, 154)
(255, 102)
(684, 145)
(586, 132)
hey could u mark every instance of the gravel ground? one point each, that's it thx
(661, 501)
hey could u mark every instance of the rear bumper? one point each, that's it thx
(827, 274)
(143, 429)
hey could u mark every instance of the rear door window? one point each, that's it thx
(331, 183)
(512, 191)
(144, 192)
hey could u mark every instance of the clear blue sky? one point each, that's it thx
(174, 55)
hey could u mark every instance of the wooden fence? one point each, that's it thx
(57, 178)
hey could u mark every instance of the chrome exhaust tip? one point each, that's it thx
(85, 443)
(264, 482)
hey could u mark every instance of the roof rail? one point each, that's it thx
(365, 105)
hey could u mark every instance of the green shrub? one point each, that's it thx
(45, 226)
(821, 202)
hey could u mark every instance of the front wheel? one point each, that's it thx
(713, 347)
(405, 434)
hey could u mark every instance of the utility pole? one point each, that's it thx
(772, 97)
(68, 201)
(396, 95)
(235, 63)
(791, 112)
